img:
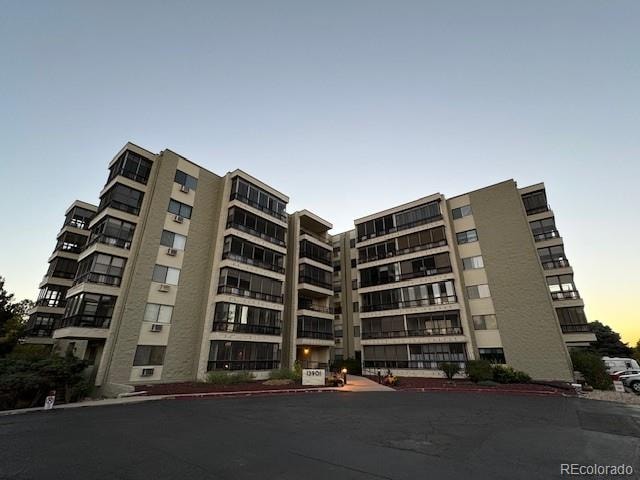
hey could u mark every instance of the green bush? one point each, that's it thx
(286, 374)
(504, 374)
(26, 382)
(450, 369)
(593, 369)
(228, 378)
(479, 370)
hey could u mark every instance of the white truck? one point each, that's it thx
(617, 364)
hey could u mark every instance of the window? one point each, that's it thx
(113, 231)
(572, 319)
(352, 243)
(315, 252)
(315, 276)
(470, 263)
(158, 313)
(186, 180)
(179, 208)
(478, 291)
(71, 242)
(467, 237)
(101, 268)
(131, 165)
(493, 355)
(562, 287)
(247, 252)
(356, 331)
(432, 355)
(79, 218)
(168, 275)
(89, 310)
(553, 257)
(258, 226)
(461, 211)
(173, 240)
(312, 327)
(434, 323)
(535, 202)
(62, 267)
(390, 356)
(149, 355)
(52, 296)
(418, 215)
(544, 229)
(257, 198)
(122, 198)
(485, 322)
(353, 263)
(231, 317)
(226, 355)
(237, 282)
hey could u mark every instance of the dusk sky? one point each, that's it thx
(347, 107)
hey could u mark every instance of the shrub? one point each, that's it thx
(450, 369)
(479, 370)
(592, 368)
(504, 374)
(285, 374)
(228, 378)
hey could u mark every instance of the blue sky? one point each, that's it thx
(347, 107)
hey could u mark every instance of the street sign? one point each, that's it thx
(50, 400)
(313, 376)
(617, 384)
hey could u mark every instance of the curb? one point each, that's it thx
(247, 393)
(538, 393)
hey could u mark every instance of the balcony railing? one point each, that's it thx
(248, 293)
(246, 328)
(406, 226)
(60, 274)
(557, 263)
(565, 295)
(40, 331)
(324, 260)
(314, 281)
(407, 276)
(539, 209)
(402, 251)
(577, 328)
(123, 207)
(423, 302)
(62, 247)
(413, 364)
(51, 302)
(256, 205)
(83, 321)
(250, 261)
(102, 278)
(316, 236)
(314, 308)
(112, 241)
(255, 233)
(243, 365)
(426, 332)
(314, 334)
(548, 235)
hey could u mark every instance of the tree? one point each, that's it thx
(592, 368)
(608, 342)
(6, 305)
(12, 319)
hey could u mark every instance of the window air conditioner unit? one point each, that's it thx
(178, 219)
(147, 372)
(184, 189)
(172, 251)
(156, 327)
(163, 287)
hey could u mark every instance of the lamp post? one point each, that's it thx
(306, 351)
(344, 375)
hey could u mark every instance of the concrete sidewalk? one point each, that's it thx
(362, 384)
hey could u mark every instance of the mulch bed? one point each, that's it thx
(195, 387)
(438, 384)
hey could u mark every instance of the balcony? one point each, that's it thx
(405, 226)
(251, 261)
(406, 276)
(315, 335)
(111, 241)
(83, 321)
(410, 364)
(314, 281)
(255, 233)
(423, 302)
(549, 264)
(396, 253)
(314, 308)
(246, 200)
(538, 209)
(51, 302)
(576, 328)
(243, 365)
(246, 328)
(320, 238)
(427, 332)
(548, 235)
(101, 278)
(565, 295)
(223, 289)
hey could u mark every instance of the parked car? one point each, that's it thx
(616, 364)
(632, 382)
(617, 375)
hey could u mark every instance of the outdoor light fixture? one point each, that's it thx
(306, 351)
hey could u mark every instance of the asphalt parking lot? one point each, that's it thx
(319, 436)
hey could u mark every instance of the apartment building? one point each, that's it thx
(179, 271)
